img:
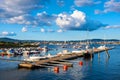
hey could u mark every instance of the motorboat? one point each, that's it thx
(35, 57)
(79, 51)
(50, 56)
(102, 47)
(64, 52)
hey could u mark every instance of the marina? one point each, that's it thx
(59, 40)
(57, 66)
(38, 61)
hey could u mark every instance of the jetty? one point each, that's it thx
(59, 60)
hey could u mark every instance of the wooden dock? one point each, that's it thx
(60, 60)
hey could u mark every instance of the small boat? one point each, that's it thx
(45, 49)
(10, 52)
(102, 47)
(50, 56)
(79, 51)
(34, 52)
(77, 47)
(64, 52)
(64, 46)
(35, 57)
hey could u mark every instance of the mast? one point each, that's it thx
(87, 42)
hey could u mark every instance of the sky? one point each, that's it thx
(60, 19)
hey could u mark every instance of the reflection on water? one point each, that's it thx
(99, 68)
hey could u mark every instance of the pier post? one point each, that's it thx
(107, 53)
(92, 53)
(98, 55)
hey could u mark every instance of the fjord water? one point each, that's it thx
(102, 68)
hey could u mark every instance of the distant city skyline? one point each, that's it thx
(60, 19)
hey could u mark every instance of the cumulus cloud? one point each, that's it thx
(40, 19)
(22, 19)
(112, 6)
(19, 12)
(24, 29)
(77, 21)
(44, 19)
(80, 3)
(12, 8)
(5, 33)
(109, 6)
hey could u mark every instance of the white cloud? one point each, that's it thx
(80, 3)
(41, 14)
(44, 19)
(22, 19)
(46, 30)
(40, 19)
(5, 33)
(60, 30)
(113, 26)
(77, 21)
(19, 12)
(12, 8)
(18, 20)
(112, 6)
(42, 30)
(24, 29)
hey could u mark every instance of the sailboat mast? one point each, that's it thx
(87, 42)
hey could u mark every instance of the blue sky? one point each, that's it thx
(60, 19)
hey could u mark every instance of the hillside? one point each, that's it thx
(9, 40)
(16, 40)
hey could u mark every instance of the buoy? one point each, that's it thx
(80, 63)
(56, 69)
(65, 67)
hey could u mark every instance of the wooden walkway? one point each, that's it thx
(58, 60)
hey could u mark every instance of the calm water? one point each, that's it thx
(96, 69)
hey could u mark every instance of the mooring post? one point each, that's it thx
(91, 54)
(106, 50)
(98, 55)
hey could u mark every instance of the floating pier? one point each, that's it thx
(60, 60)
